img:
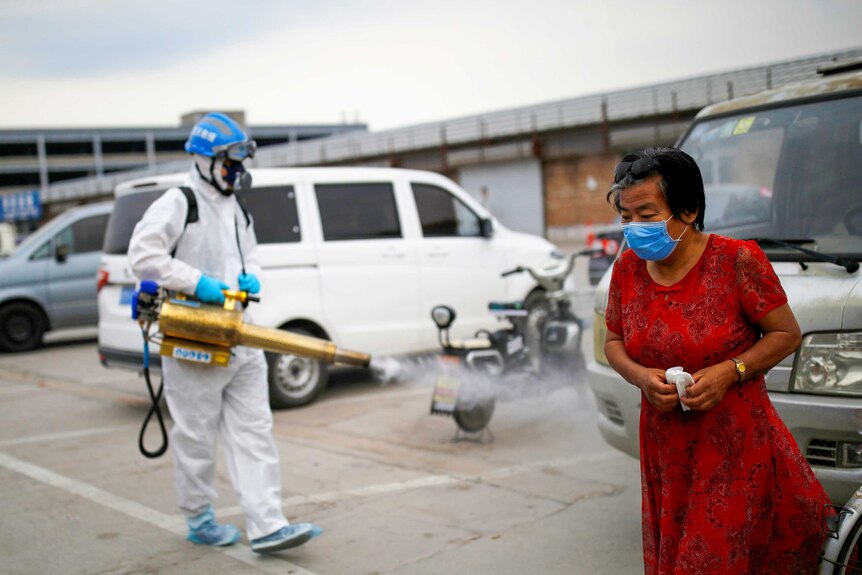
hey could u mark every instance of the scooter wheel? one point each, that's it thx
(474, 417)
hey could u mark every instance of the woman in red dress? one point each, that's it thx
(725, 487)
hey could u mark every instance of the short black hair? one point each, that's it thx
(681, 182)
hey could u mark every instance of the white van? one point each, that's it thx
(782, 167)
(355, 255)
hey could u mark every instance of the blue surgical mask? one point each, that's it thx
(650, 240)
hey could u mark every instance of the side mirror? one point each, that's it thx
(61, 253)
(486, 227)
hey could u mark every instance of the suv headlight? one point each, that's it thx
(829, 363)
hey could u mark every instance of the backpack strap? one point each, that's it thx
(192, 214)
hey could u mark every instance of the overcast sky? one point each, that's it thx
(388, 63)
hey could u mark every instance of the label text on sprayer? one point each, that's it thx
(192, 355)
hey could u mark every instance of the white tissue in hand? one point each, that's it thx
(681, 380)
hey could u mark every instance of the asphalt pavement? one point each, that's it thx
(392, 489)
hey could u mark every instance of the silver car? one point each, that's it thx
(49, 281)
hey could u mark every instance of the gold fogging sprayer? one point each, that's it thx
(204, 334)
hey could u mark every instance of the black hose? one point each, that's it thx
(155, 408)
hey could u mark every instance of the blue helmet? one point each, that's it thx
(216, 134)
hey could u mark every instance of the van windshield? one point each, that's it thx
(789, 173)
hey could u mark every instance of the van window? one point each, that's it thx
(364, 211)
(442, 214)
(274, 212)
(43, 252)
(128, 211)
(84, 236)
(786, 173)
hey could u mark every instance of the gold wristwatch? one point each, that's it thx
(740, 368)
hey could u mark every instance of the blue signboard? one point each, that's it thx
(20, 206)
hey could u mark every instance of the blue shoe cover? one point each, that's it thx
(287, 537)
(204, 530)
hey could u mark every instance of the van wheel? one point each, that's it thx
(295, 381)
(22, 326)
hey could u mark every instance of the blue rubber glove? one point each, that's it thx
(209, 289)
(249, 283)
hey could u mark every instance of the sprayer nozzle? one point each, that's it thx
(348, 357)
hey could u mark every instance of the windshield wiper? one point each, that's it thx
(846, 263)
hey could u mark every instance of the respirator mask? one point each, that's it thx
(226, 169)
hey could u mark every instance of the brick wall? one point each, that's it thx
(569, 199)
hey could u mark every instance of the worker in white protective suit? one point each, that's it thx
(201, 258)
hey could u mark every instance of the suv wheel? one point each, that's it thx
(293, 380)
(22, 326)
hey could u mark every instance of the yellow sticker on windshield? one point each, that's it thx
(743, 125)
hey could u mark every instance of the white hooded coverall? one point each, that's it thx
(208, 402)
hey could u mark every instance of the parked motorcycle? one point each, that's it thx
(474, 369)
(552, 330)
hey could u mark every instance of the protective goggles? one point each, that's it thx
(238, 151)
(639, 168)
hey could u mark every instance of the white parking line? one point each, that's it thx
(367, 491)
(243, 553)
(62, 436)
(435, 481)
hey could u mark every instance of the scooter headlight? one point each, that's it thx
(443, 316)
(829, 363)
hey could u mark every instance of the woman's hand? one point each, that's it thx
(661, 394)
(710, 385)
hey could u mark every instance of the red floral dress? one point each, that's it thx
(725, 490)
